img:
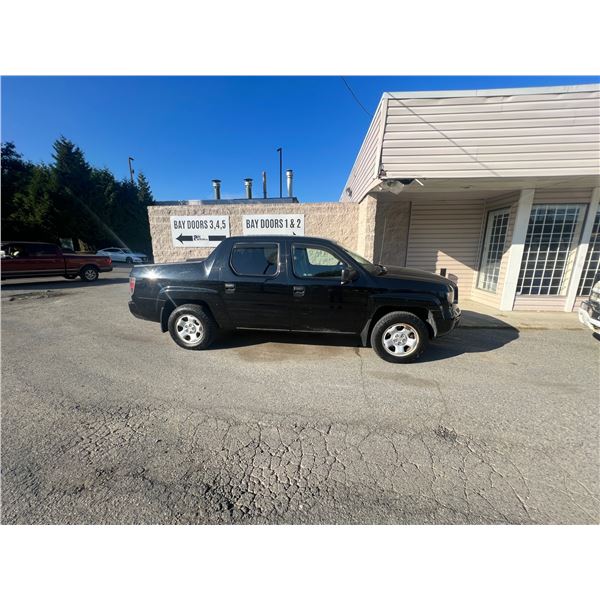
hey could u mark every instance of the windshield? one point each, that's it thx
(361, 260)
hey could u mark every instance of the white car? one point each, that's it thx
(123, 255)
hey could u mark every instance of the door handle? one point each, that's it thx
(298, 291)
(229, 288)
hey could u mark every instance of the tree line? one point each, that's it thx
(69, 199)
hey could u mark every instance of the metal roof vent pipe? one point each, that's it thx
(264, 178)
(248, 184)
(217, 187)
(290, 181)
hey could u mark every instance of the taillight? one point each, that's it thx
(131, 285)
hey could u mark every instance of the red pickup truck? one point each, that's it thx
(36, 259)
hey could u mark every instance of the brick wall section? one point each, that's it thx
(337, 221)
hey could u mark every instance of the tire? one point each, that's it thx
(401, 327)
(89, 273)
(191, 328)
(129, 260)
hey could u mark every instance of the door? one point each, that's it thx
(320, 301)
(15, 260)
(255, 288)
(46, 259)
(116, 254)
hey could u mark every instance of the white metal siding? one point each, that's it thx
(493, 136)
(366, 166)
(446, 234)
(551, 303)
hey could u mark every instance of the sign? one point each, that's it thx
(202, 231)
(273, 224)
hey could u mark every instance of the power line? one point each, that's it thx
(354, 96)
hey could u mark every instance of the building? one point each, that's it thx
(498, 189)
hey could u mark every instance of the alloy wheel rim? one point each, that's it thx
(400, 339)
(90, 274)
(189, 329)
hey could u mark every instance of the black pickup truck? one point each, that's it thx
(301, 284)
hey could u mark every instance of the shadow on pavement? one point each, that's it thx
(482, 335)
(15, 285)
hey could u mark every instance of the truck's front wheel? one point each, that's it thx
(191, 328)
(399, 337)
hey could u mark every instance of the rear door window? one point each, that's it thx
(255, 259)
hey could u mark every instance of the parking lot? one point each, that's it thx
(106, 420)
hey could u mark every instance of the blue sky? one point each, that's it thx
(185, 131)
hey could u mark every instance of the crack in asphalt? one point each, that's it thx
(162, 466)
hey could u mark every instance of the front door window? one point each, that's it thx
(317, 262)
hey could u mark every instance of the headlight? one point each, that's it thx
(450, 295)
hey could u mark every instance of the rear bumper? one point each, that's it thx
(103, 269)
(141, 311)
(589, 316)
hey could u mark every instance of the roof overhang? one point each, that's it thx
(523, 91)
(490, 184)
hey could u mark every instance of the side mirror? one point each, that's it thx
(348, 275)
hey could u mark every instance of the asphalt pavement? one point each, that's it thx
(106, 420)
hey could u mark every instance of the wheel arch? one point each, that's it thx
(422, 312)
(172, 303)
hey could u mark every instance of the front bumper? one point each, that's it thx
(446, 322)
(589, 316)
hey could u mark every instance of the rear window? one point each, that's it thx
(42, 250)
(255, 259)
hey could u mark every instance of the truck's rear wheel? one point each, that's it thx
(399, 337)
(89, 273)
(191, 328)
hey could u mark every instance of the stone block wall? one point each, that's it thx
(340, 222)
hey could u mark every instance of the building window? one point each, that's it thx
(549, 251)
(591, 267)
(493, 249)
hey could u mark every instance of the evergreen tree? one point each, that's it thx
(71, 199)
(34, 215)
(16, 174)
(72, 190)
(144, 191)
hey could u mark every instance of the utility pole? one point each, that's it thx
(280, 150)
(131, 171)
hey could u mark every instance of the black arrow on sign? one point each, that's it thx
(184, 238)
